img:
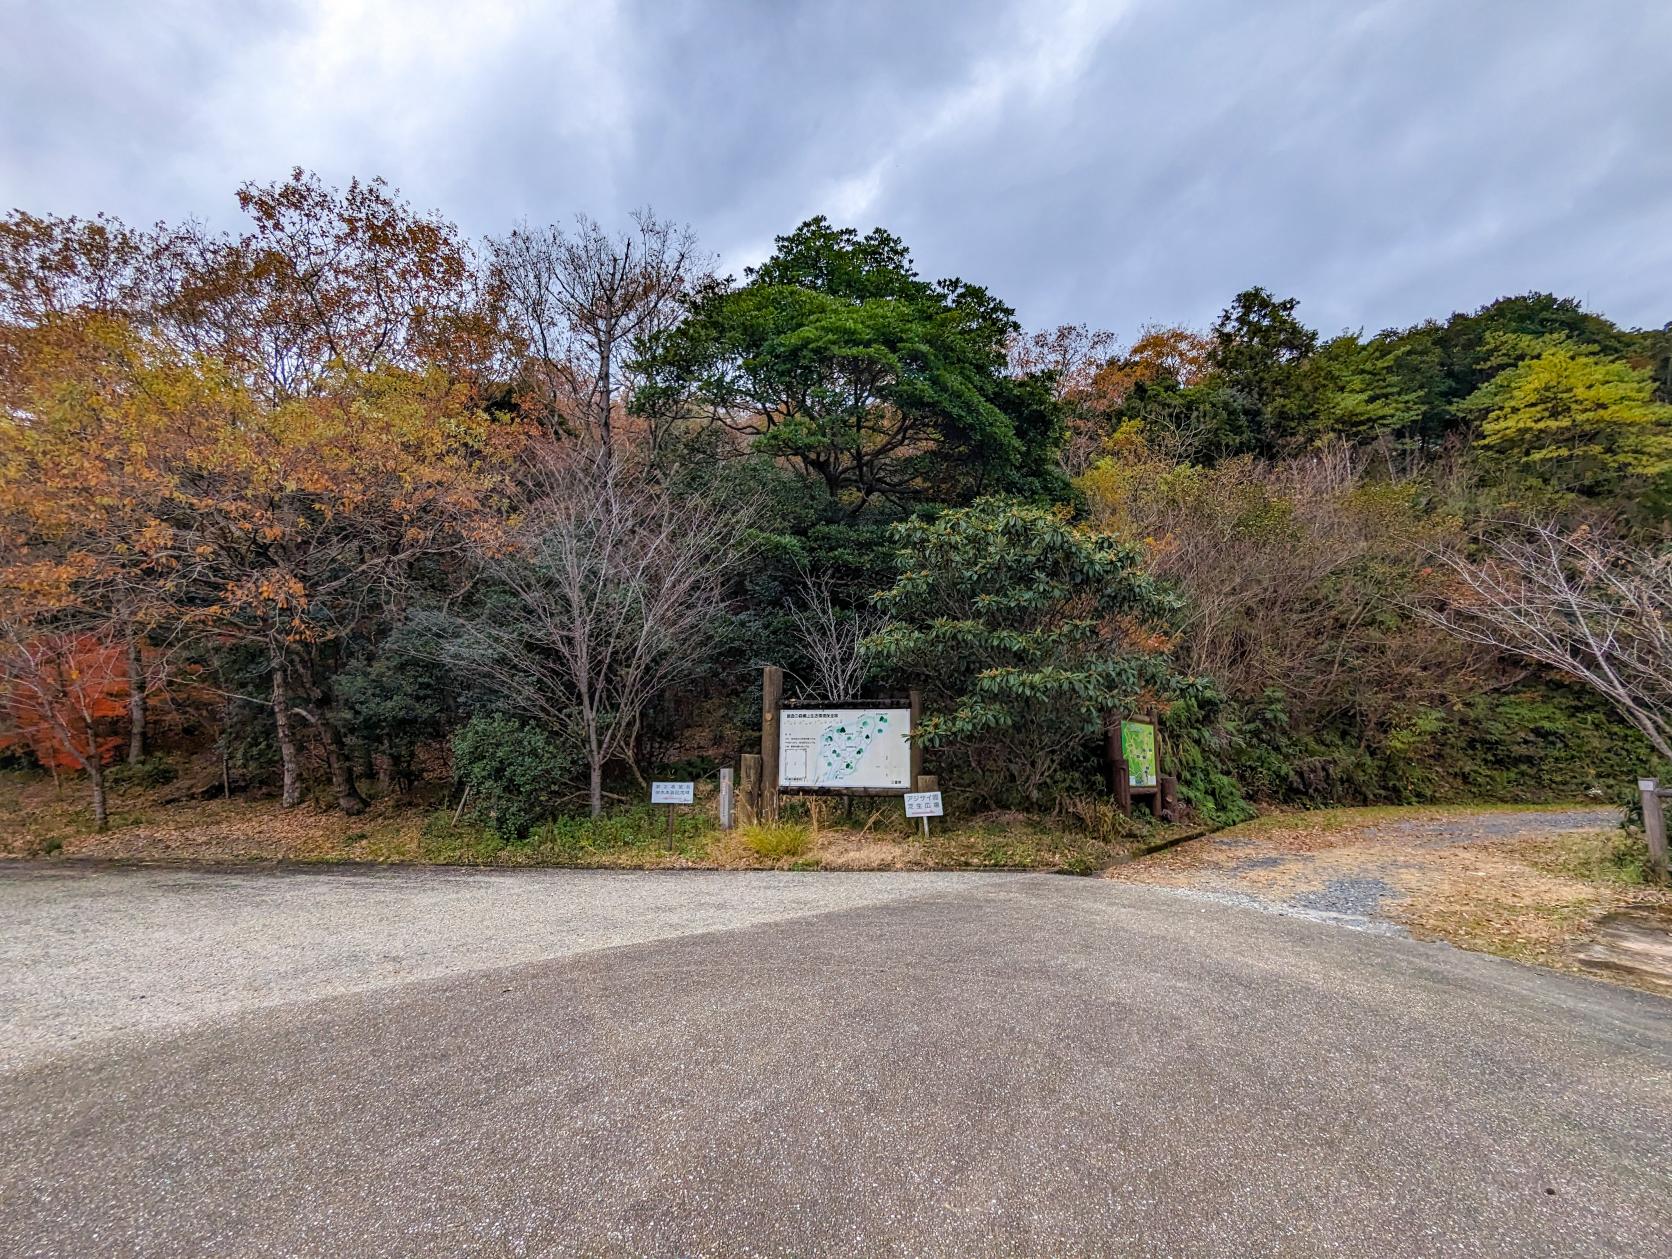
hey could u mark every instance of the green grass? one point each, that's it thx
(616, 838)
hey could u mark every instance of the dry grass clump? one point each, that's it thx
(780, 841)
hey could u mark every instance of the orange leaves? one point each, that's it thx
(56, 692)
(1177, 354)
(267, 591)
(239, 435)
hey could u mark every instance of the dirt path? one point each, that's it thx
(1538, 885)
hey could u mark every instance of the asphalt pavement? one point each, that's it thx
(577, 1064)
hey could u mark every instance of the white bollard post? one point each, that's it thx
(727, 793)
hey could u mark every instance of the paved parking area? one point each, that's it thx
(439, 1063)
(93, 950)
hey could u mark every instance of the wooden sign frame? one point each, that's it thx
(1163, 797)
(764, 779)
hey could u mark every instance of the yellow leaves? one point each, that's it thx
(1578, 420)
(270, 591)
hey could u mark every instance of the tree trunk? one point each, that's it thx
(136, 701)
(291, 794)
(604, 419)
(596, 788)
(349, 799)
(95, 775)
(93, 763)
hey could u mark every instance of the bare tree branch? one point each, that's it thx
(831, 638)
(583, 302)
(1595, 608)
(616, 589)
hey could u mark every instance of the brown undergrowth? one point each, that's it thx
(35, 822)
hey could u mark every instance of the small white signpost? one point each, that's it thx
(924, 804)
(674, 794)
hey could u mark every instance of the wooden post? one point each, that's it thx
(1114, 767)
(1654, 825)
(772, 698)
(726, 797)
(1169, 797)
(749, 790)
(671, 809)
(925, 782)
(916, 750)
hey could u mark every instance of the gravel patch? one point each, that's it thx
(1485, 827)
(1355, 897)
(1257, 863)
(91, 953)
(1358, 874)
(1289, 909)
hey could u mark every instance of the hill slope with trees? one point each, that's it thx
(348, 506)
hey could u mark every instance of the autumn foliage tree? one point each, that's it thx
(292, 418)
(1579, 422)
(61, 685)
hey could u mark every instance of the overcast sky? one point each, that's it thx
(1115, 162)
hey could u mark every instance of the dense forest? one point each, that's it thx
(347, 505)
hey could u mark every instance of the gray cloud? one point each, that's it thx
(1109, 162)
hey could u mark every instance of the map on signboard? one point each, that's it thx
(1137, 749)
(844, 747)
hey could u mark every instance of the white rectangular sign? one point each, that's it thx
(845, 747)
(673, 793)
(923, 804)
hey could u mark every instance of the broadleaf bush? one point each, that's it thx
(516, 773)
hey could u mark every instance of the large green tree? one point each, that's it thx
(1577, 421)
(1261, 353)
(1435, 367)
(836, 358)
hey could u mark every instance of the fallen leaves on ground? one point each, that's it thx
(1498, 882)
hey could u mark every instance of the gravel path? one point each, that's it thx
(97, 951)
(1352, 877)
